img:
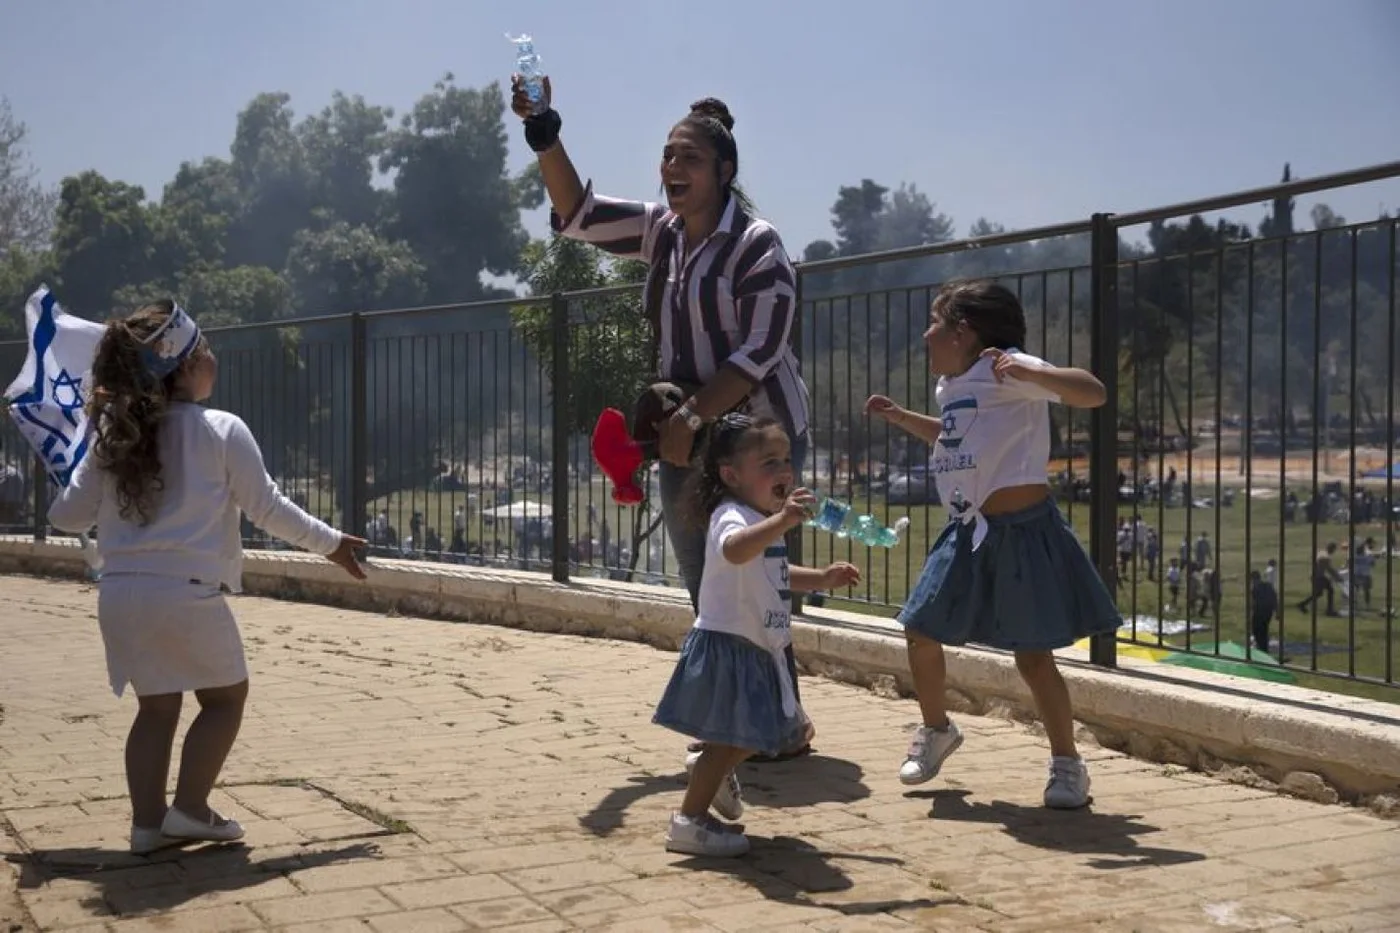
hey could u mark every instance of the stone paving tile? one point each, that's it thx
(402, 774)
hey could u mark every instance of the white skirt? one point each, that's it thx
(165, 635)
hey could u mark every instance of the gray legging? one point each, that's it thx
(688, 543)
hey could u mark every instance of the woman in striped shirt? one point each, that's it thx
(720, 293)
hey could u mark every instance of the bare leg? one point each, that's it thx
(714, 764)
(148, 746)
(207, 746)
(929, 666)
(1051, 695)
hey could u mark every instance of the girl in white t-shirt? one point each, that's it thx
(1007, 571)
(734, 687)
(165, 482)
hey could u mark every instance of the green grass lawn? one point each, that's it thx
(1370, 632)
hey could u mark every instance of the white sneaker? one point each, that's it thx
(729, 800)
(1068, 787)
(180, 826)
(927, 752)
(704, 835)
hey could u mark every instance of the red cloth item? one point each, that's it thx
(618, 456)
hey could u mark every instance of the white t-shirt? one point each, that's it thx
(751, 600)
(995, 435)
(212, 468)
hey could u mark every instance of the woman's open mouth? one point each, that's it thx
(676, 189)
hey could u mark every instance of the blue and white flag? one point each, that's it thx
(47, 399)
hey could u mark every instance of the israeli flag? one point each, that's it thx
(48, 398)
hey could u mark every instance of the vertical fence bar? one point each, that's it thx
(794, 536)
(1352, 500)
(1390, 458)
(1319, 419)
(559, 377)
(1247, 461)
(1217, 586)
(355, 516)
(1283, 434)
(1103, 424)
(41, 485)
(1189, 490)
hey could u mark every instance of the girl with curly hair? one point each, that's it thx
(164, 483)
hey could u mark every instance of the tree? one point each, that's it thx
(103, 241)
(345, 268)
(270, 168)
(191, 223)
(1280, 219)
(342, 145)
(241, 295)
(909, 218)
(26, 206)
(455, 204)
(1324, 218)
(609, 341)
(856, 217)
(21, 272)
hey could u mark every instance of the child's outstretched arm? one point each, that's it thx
(749, 542)
(925, 427)
(831, 577)
(258, 496)
(75, 508)
(1077, 388)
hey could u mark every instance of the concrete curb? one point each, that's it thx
(1313, 744)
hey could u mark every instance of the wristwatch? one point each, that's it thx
(691, 419)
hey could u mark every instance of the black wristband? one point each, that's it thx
(542, 130)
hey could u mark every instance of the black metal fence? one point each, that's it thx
(1252, 386)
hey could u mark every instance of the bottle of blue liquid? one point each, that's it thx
(840, 519)
(527, 63)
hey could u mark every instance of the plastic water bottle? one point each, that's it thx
(527, 63)
(840, 519)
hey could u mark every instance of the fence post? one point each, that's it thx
(559, 379)
(1103, 423)
(794, 537)
(355, 512)
(40, 483)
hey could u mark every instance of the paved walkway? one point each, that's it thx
(399, 774)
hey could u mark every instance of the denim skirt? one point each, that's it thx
(1029, 587)
(725, 691)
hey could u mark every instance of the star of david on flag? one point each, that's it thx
(47, 399)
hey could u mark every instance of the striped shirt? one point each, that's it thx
(731, 301)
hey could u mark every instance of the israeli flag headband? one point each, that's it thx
(171, 344)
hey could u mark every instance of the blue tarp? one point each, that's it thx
(1382, 472)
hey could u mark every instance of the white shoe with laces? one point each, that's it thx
(704, 835)
(1068, 787)
(927, 752)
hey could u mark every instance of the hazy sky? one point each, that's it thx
(1024, 111)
